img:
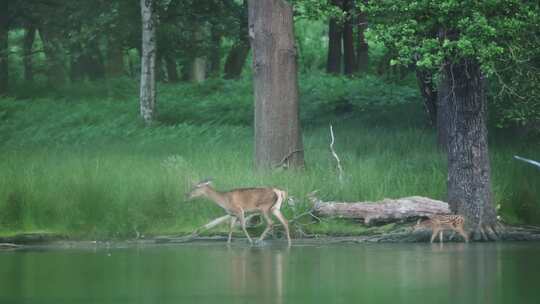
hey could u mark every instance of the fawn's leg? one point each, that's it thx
(233, 221)
(463, 234)
(434, 234)
(243, 222)
(269, 225)
(441, 236)
(283, 221)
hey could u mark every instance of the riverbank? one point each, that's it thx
(401, 234)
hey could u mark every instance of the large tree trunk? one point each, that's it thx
(147, 96)
(4, 50)
(239, 52)
(278, 137)
(469, 185)
(28, 43)
(349, 60)
(387, 210)
(362, 48)
(429, 94)
(115, 58)
(333, 63)
(56, 73)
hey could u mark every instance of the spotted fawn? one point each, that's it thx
(439, 223)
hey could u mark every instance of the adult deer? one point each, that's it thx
(238, 202)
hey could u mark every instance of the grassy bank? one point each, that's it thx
(79, 162)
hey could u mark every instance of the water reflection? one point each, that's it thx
(211, 273)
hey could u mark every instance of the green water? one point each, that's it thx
(215, 273)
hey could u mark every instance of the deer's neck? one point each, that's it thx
(218, 197)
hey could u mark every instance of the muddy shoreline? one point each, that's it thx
(53, 241)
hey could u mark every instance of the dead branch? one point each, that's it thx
(529, 161)
(340, 169)
(387, 210)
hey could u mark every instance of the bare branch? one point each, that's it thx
(340, 169)
(530, 161)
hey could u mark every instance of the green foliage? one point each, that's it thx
(499, 35)
(78, 161)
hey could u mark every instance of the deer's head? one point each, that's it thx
(421, 224)
(199, 189)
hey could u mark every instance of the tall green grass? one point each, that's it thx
(78, 161)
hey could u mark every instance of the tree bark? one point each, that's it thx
(349, 60)
(469, 184)
(147, 96)
(335, 32)
(236, 59)
(4, 50)
(28, 43)
(429, 94)
(387, 210)
(278, 136)
(56, 74)
(442, 112)
(362, 48)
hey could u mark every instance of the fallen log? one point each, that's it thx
(387, 210)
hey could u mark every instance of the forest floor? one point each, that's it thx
(77, 163)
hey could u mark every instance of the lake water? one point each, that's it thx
(215, 273)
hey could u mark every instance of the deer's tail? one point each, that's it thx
(281, 197)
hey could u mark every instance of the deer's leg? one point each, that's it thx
(233, 221)
(283, 221)
(441, 236)
(243, 222)
(269, 225)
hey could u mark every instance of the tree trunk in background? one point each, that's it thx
(115, 58)
(349, 60)
(4, 50)
(172, 73)
(77, 64)
(469, 185)
(28, 44)
(198, 70)
(362, 48)
(278, 136)
(236, 60)
(429, 94)
(333, 62)
(94, 65)
(215, 51)
(239, 52)
(186, 70)
(56, 73)
(148, 63)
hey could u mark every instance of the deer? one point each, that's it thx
(439, 223)
(241, 201)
